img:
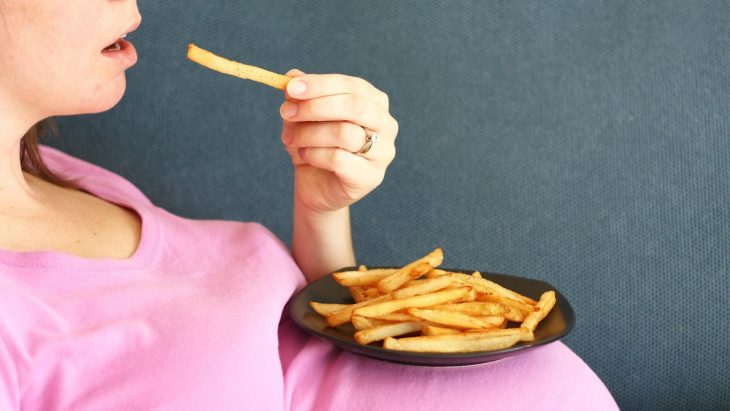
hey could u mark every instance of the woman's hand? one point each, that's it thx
(325, 121)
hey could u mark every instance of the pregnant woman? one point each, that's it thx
(108, 302)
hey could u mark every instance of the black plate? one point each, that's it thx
(325, 290)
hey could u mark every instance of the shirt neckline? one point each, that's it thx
(141, 258)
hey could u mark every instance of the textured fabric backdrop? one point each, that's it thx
(583, 143)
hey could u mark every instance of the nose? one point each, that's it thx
(134, 12)
(137, 14)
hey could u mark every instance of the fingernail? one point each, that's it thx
(296, 87)
(288, 109)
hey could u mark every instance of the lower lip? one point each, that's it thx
(126, 56)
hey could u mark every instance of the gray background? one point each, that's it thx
(583, 143)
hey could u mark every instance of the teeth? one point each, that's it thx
(114, 47)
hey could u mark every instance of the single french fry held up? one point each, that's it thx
(233, 68)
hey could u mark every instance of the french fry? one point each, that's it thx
(517, 305)
(363, 323)
(436, 272)
(491, 287)
(513, 315)
(397, 279)
(474, 308)
(412, 270)
(362, 278)
(524, 333)
(498, 320)
(399, 317)
(233, 68)
(469, 297)
(452, 343)
(343, 315)
(384, 331)
(546, 303)
(423, 287)
(456, 320)
(481, 330)
(373, 292)
(436, 330)
(357, 293)
(324, 309)
(424, 300)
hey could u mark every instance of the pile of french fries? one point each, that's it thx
(452, 312)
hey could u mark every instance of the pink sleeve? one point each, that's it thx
(8, 380)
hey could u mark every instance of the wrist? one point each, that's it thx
(311, 213)
(322, 241)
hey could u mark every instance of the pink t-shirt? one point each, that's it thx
(193, 321)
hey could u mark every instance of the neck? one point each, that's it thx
(17, 189)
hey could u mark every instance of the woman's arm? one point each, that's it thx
(340, 137)
(321, 242)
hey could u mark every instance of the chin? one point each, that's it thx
(103, 97)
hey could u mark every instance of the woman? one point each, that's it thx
(108, 302)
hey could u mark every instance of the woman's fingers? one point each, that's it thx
(327, 119)
(309, 86)
(339, 134)
(348, 107)
(350, 168)
(340, 104)
(334, 134)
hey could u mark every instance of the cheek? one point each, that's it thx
(68, 92)
(93, 81)
(51, 59)
(85, 80)
(81, 82)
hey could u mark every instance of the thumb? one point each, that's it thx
(295, 73)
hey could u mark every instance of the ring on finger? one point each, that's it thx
(371, 138)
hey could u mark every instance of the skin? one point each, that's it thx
(52, 48)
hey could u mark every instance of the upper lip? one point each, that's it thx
(129, 29)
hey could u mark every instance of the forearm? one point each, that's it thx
(321, 242)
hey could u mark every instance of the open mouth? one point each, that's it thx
(116, 46)
(121, 51)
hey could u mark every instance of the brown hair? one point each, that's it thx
(30, 157)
